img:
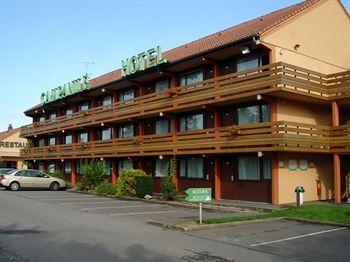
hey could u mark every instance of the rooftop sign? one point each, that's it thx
(142, 61)
(70, 88)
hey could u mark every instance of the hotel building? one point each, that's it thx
(251, 111)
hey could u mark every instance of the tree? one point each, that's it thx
(168, 186)
(93, 173)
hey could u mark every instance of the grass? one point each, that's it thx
(329, 213)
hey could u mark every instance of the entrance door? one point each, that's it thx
(228, 168)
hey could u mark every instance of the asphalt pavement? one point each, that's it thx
(61, 226)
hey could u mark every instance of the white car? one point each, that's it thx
(30, 179)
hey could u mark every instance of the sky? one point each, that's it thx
(43, 43)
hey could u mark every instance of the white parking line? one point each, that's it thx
(301, 236)
(145, 213)
(64, 199)
(88, 202)
(116, 207)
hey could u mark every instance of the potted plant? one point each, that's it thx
(234, 131)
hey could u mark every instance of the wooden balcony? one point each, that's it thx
(269, 79)
(274, 136)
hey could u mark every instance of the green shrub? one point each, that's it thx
(93, 173)
(169, 190)
(106, 189)
(55, 174)
(143, 186)
(3, 164)
(127, 182)
(79, 186)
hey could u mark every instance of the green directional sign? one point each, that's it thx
(198, 195)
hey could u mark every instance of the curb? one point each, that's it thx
(181, 227)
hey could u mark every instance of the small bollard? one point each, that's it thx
(299, 190)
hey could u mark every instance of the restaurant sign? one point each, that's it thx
(142, 61)
(11, 144)
(70, 88)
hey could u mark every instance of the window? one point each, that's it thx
(68, 139)
(41, 142)
(191, 78)
(52, 141)
(84, 106)
(52, 116)
(247, 63)
(67, 167)
(42, 119)
(69, 111)
(41, 167)
(78, 167)
(126, 94)
(191, 167)
(162, 85)
(106, 133)
(126, 131)
(52, 167)
(107, 100)
(192, 122)
(248, 168)
(125, 164)
(253, 114)
(83, 137)
(108, 167)
(162, 166)
(254, 168)
(162, 126)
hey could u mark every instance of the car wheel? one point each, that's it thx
(14, 186)
(54, 186)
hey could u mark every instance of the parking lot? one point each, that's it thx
(63, 226)
(127, 209)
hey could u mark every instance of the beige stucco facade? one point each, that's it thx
(319, 167)
(322, 32)
(10, 146)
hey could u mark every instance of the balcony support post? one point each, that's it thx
(217, 177)
(336, 157)
(114, 171)
(73, 172)
(175, 127)
(274, 181)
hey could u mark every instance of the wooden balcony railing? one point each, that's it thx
(274, 136)
(260, 80)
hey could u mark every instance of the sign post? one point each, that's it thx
(198, 195)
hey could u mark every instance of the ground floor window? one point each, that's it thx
(52, 167)
(191, 167)
(125, 164)
(67, 167)
(162, 166)
(108, 167)
(254, 168)
(41, 167)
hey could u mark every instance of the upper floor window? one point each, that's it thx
(68, 139)
(106, 133)
(83, 137)
(125, 164)
(161, 167)
(191, 78)
(52, 141)
(253, 114)
(162, 85)
(126, 94)
(191, 167)
(52, 116)
(84, 106)
(107, 100)
(69, 111)
(248, 62)
(41, 118)
(126, 130)
(162, 126)
(192, 122)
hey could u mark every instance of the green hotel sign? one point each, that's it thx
(142, 61)
(70, 88)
